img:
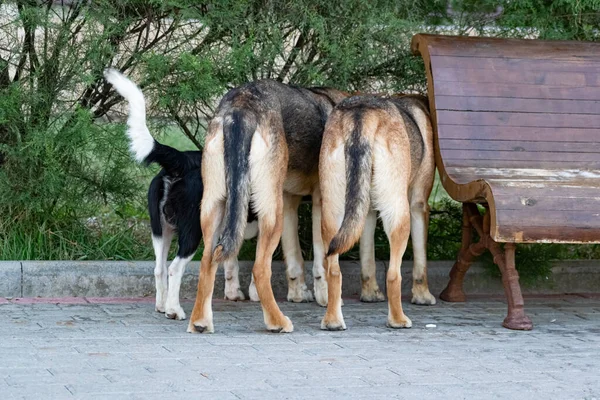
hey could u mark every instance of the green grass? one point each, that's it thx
(77, 242)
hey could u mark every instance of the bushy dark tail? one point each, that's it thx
(238, 129)
(143, 146)
(359, 171)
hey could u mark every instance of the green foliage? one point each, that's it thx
(64, 151)
(445, 230)
(560, 20)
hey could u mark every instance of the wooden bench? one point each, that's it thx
(517, 130)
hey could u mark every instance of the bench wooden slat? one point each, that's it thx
(517, 91)
(532, 189)
(534, 77)
(528, 156)
(545, 234)
(462, 178)
(558, 182)
(521, 145)
(515, 119)
(504, 104)
(537, 202)
(584, 219)
(579, 135)
(546, 164)
(467, 46)
(536, 198)
(514, 64)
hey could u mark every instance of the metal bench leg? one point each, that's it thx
(516, 318)
(468, 252)
(505, 260)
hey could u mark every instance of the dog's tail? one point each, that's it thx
(238, 130)
(359, 171)
(143, 146)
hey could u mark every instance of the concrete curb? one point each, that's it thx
(10, 279)
(136, 278)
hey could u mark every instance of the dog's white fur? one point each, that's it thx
(141, 141)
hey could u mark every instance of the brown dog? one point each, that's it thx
(262, 146)
(377, 156)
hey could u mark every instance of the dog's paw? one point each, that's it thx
(234, 295)
(402, 322)
(160, 300)
(160, 305)
(372, 296)
(201, 326)
(285, 326)
(423, 298)
(175, 312)
(333, 324)
(299, 294)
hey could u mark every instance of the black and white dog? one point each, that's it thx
(174, 200)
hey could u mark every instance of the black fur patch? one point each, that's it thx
(175, 162)
(175, 199)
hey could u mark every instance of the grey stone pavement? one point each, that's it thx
(86, 348)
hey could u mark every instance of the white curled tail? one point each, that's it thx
(141, 142)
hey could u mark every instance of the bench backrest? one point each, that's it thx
(510, 103)
(517, 118)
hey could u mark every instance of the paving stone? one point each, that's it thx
(128, 351)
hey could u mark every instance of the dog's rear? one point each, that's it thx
(173, 197)
(262, 132)
(377, 154)
(241, 157)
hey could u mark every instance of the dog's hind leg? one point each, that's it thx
(232, 280)
(290, 243)
(211, 218)
(390, 198)
(419, 210)
(201, 319)
(333, 196)
(268, 165)
(370, 292)
(173, 309)
(187, 248)
(161, 246)
(398, 232)
(319, 276)
(419, 221)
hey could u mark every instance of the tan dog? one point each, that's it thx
(262, 147)
(377, 156)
